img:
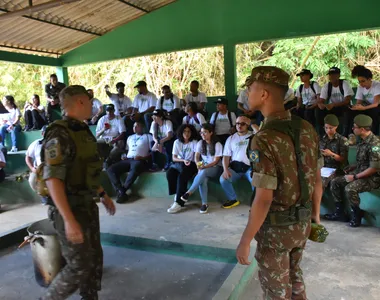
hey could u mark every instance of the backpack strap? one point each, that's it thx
(216, 117)
(196, 119)
(341, 87)
(162, 101)
(300, 89)
(230, 119)
(329, 91)
(312, 87)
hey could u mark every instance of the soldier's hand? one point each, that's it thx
(108, 204)
(242, 253)
(74, 232)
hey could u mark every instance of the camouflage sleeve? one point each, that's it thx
(321, 160)
(264, 169)
(58, 151)
(344, 147)
(374, 156)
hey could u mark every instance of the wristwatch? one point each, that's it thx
(102, 194)
(355, 177)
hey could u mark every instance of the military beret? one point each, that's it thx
(268, 74)
(363, 121)
(331, 120)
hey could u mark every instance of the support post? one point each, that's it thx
(230, 74)
(63, 75)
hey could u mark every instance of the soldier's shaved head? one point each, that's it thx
(75, 101)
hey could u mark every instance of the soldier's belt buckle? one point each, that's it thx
(303, 213)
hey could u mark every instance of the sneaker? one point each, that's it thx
(121, 197)
(204, 209)
(185, 197)
(154, 168)
(14, 149)
(231, 203)
(174, 208)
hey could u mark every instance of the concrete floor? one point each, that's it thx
(128, 275)
(346, 267)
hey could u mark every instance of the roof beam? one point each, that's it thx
(32, 50)
(134, 6)
(55, 24)
(29, 59)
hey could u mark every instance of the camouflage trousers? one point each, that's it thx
(278, 255)
(340, 188)
(84, 262)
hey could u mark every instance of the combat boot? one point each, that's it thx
(338, 215)
(121, 196)
(357, 215)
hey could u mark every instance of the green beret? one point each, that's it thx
(331, 120)
(363, 121)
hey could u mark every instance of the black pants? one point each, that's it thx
(50, 109)
(2, 175)
(372, 112)
(134, 169)
(168, 145)
(178, 176)
(223, 138)
(307, 114)
(33, 119)
(340, 112)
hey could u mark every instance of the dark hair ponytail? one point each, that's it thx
(211, 147)
(361, 71)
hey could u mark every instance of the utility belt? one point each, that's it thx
(291, 216)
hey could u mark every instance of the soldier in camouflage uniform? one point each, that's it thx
(278, 222)
(71, 172)
(363, 177)
(334, 148)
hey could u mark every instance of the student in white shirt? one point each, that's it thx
(162, 132)
(223, 120)
(198, 97)
(171, 104)
(12, 123)
(136, 160)
(334, 99)
(34, 114)
(121, 102)
(184, 167)
(97, 108)
(243, 106)
(235, 161)
(144, 104)
(307, 97)
(110, 135)
(33, 160)
(367, 97)
(193, 117)
(208, 159)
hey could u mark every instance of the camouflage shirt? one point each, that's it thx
(275, 166)
(58, 151)
(339, 145)
(368, 154)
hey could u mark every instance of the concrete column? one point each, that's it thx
(230, 74)
(63, 75)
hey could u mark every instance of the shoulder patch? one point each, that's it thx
(253, 156)
(53, 152)
(375, 149)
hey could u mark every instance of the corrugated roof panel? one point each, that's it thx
(96, 17)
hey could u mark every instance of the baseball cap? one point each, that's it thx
(110, 107)
(305, 72)
(222, 101)
(334, 70)
(140, 83)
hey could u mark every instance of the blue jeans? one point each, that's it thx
(200, 181)
(227, 183)
(3, 133)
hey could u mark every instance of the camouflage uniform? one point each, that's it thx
(279, 248)
(367, 156)
(84, 262)
(339, 145)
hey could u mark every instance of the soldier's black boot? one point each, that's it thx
(357, 215)
(338, 215)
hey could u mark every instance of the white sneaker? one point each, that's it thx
(14, 149)
(174, 208)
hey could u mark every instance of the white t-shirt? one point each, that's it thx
(185, 151)
(167, 126)
(34, 151)
(2, 158)
(308, 96)
(121, 104)
(192, 121)
(207, 159)
(336, 96)
(167, 104)
(117, 126)
(236, 147)
(139, 145)
(96, 104)
(368, 95)
(143, 102)
(243, 98)
(13, 114)
(222, 124)
(201, 98)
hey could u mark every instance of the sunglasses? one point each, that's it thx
(241, 124)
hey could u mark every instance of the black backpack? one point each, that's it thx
(229, 118)
(311, 85)
(329, 89)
